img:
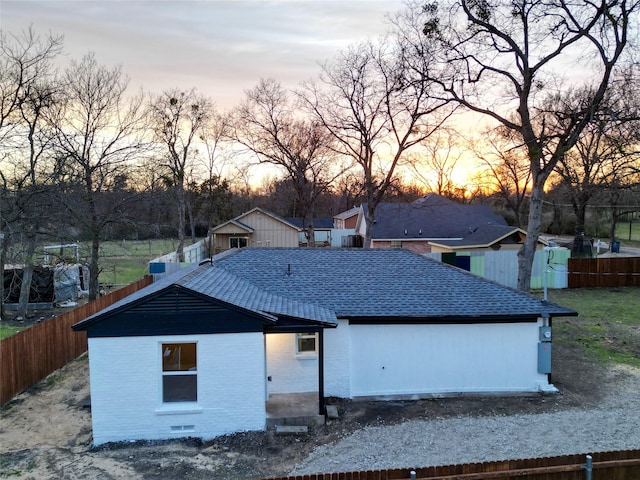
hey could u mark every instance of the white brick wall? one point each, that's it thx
(440, 359)
(290, 373)
(337, 358)
(126, 401)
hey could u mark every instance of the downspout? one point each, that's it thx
(321, 372)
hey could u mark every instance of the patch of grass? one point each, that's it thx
(53, 379)
(126, 261)
(626, 235)
(5, 461)
(608, 325)
(8, 330)
(121, 262)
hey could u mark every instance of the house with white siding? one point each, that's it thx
(201, 353)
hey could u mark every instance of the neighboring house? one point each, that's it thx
(436, 224)
(346, 220)
(255, 228)
(322, 229)
(203, 352)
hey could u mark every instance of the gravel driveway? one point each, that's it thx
(613, 425)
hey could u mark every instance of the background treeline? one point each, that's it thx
(449, 101)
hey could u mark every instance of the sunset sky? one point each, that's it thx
(220, 47)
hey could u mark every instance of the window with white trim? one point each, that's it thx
(238, 242)
(179, 372)
(306, 343)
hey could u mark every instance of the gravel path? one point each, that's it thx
(614, 425)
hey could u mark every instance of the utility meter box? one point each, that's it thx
(545, 334)
(544, 357)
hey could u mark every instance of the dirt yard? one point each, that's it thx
(45, 433)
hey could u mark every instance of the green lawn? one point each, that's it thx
(121, 262)
(124, 262)
(622, 232)
(608, 327)
(7, 331)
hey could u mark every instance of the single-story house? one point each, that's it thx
(256, 228)
(202, 352)
(437, 224)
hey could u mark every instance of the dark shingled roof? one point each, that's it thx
(323, 284)
(484, 235)
(380, 283)
(431, 217)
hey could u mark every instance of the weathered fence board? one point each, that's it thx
(29, 356)
(619, 465)
(604, 272)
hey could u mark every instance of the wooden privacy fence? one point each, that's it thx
(29, 356)
(621, 465)
(604, 272)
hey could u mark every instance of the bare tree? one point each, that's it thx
(25, 59)
(605, 157)
(178, 118)
(215, 189)
(267, 126)
(25, 92)
(99, 140)
(507, 171)
(504, 60)
(435, 164)
(377, 100)
(33, 187)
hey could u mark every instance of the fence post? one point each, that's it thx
(588, 468)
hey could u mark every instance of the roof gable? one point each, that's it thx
(173, 310)
(201, 299)
(348, 214)
(246, 217)
(232, 227)
(242, 224)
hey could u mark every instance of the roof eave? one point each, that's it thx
(439, 319)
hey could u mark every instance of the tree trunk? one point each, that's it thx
(4, 244)
(192, 221)
(311, 236)
(369, 218)
(308, 221)
(181, 223)
(94, 268)
(27, 275)
(581, 218)
(614, 222)
(527, 252)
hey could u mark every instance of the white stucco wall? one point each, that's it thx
(126, 396)
(441, 359)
